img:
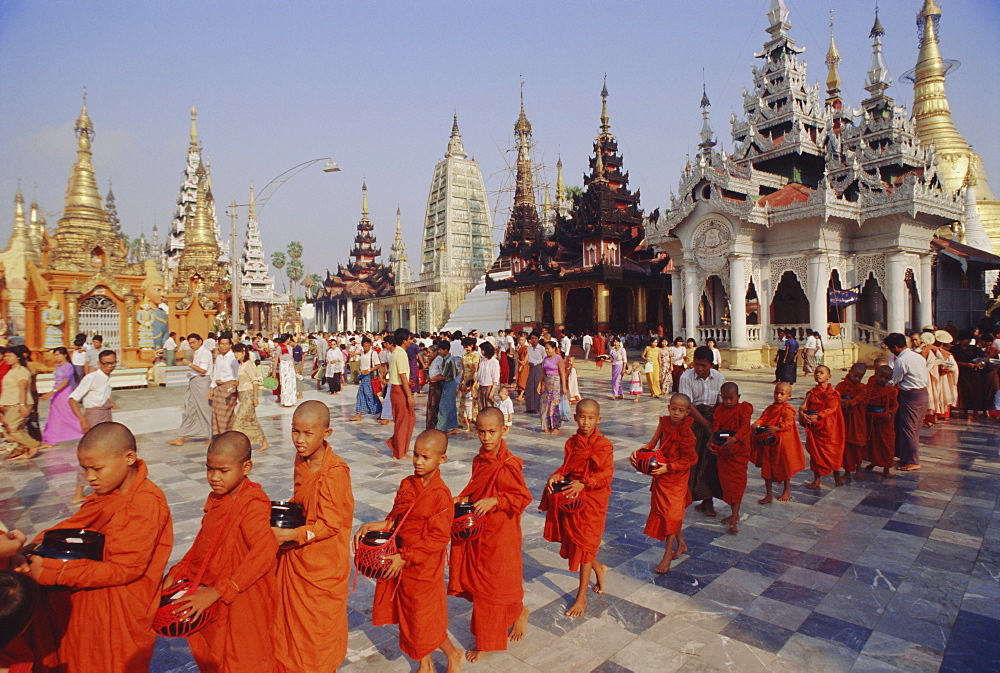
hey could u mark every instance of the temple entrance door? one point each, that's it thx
(548, 314)
(872, 306)
(714, 308)
(622, 310)
(790, 305)
(580, 311)
(912, 304)
(100, 315)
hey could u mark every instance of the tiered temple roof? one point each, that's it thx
(256, 283)
(397, 258)
(200, 266)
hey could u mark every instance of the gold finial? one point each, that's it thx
(364, 200)
(194, 127)
(201, 231)
(20, 229)
(560, 185)
(253, 204)
(832, 62)
(605, 118)
(522, 126)
(599, 162)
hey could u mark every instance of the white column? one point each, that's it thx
(335, 309)
(895, 293)
(818, 281)
(676, 301)
(927, 290)
(692, 296)
(738, 301)
(350, 313)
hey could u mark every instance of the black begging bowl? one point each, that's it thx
(286, 514)
(68, 544)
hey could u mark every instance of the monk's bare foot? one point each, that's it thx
(355, 417)
(384, 421)
(520, 626)
(868, 468)
(264, 447)
(176, 442)
(766, 500)
(709, 510)
(681, 549)
(454, 661)
(886, 473)
(472, 656)
(664, 566)
(732, 526)
(838, 479)
(578, 607)
(785, 496)
(815, 483)
(600, 570)
(859, 474)
(427, 666)
(728, 519)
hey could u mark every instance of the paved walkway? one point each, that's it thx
(897, 575)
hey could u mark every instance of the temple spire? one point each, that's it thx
(455, 147)
(524, 190)
(878, 74)
(708, 140)
(931, 111)
(200, 232)
(253, 204)
(605, 117)
(81, 193)
(20, 227)
(560, 185)
(364, 200)
(833, 59)
(194, 127)
(398, 262)
(778, 16)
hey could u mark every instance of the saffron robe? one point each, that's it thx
(590, 460)
(732, 464)
(783, 459)
(825, 439)
(310, 630)
(670, 494)
(487, 570)
(853, 399)
(241, 569)
(882, 427)
(105, 623)
(415, 599)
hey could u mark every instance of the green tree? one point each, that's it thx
(295, 270)
(278, 261)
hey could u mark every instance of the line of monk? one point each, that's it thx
(276, 598)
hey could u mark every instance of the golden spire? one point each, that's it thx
(253, 204)
(931, 112)
(82, 197)
(832, 62)
(599, 163)
(201, 232)
(560, 185)
(605, 117)
(364, 200)
(20, 228)
(194, 127)
(34, 231)
(522, 126)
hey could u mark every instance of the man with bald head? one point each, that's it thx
(310, 631)
(105, 619)
(239, 576)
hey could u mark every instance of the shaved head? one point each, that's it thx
(437, 441)
(859, 368)
(232, 446)
(729, 388)
(880, 362)
(680, 398)
(110, 438)
(588, 404)
(784, 385)
(313, 412)
(885, 370)
(490, 413)
(818, 367)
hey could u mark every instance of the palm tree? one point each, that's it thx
(278, 262)
(294, 271)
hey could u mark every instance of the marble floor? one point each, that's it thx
(880, 575)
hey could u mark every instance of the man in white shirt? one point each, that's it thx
(702, 384)
(92, 403)
(536, 353)
(810, 347)
(223, 394)
(457, 349)
(210, 343)
(319, 364)
(170, 349)
(334, 368)
(910, 376)
(565, 344)
(93, 354)
(588, 343)
(197, 419)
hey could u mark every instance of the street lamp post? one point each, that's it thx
(234, 266)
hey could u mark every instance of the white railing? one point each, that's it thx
(721, 333)
(753, 333)
(800, 331)
(868, 334)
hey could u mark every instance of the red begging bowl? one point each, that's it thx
(170, 624)
(466, 526)
(372, 548)
(647, 460)
(562, 502)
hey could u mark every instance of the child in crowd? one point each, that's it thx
(881, 405)
(853, 400)
(670, 494)
(239, 574)
(572, 380)
(821, 416)
(506, 406)
(487, 569)
(314, 563)
(778, 448)
(589, 466)
(412, 594)
(466, 406)
(104, 619)
(732, 455)
(636, 388)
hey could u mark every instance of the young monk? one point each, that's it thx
(782, 459)
(821, 416)
(732, 456)
(670, 493)
(104, 622)
(487, 570)
(881, 425)
(314, 564)
(413, 592)
(589, 466)
(240, 572)
(853, 399)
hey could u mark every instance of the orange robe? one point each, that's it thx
(415, 599)
(241, 569)
(310, 630)
(784, 459)
(487, 570)
(825, 439)
(732, 465)
(853, 399)
(592, 461)
(106, 622)
(670, 492)
(882, 427)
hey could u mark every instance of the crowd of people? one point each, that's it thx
(276, 598)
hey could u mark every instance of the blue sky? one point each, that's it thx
(374, 85)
